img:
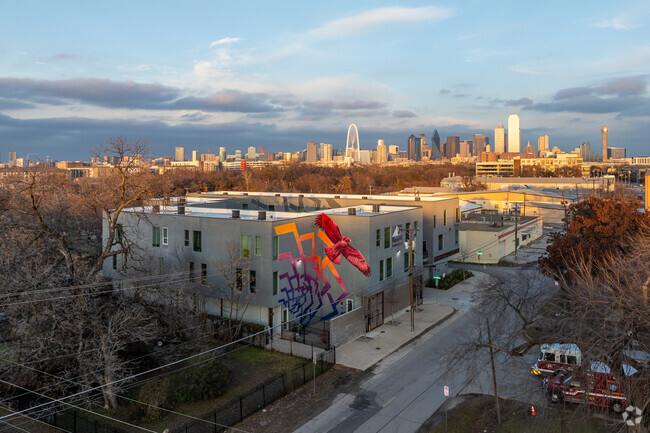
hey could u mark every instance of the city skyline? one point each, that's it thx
(293, 75)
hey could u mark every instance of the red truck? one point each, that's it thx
(556, 358)
(595, 387)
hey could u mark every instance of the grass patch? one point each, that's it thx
(479, 415)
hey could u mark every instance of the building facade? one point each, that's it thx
(514, 134)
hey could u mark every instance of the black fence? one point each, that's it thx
(71, 421)
(234, 411)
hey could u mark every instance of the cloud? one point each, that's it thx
(101, 92)
(444, 91)
(225, 101)
(379, 18)
(626, 96)
(616, 24)
(403, 114)
(518, 102)
(130, 95)
(63, 56)
(352, 105)
(224, 41)
(479, 55)
(14, 104)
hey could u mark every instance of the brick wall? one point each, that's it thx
(347, 327)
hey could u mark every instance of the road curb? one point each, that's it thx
(415, 337)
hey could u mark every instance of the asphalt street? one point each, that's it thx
(406, 388)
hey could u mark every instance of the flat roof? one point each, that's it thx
(321, 196)
(249, 214)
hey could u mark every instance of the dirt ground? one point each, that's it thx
(292, 411)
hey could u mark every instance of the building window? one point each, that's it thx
(204, 273)
(378, 237)
(441, 243)
(244, 206)
(408, 232)
(381, 270)
(386, 237)
(276, 283)
(415, 230)
(301, 208)
(271, 207)
(252, 281)
(196, 240)
(457, 214)
(350, 305)
(406, 262)
(238, 279)
(187, 238)
(444, 217)
(276, 247)
(165, 235)
(245, 246)
(435, 220)
(118, 233)
(389, 267)
(155, 237)
(258, 245)
(456, 237)
(191, 272)
(114, 262)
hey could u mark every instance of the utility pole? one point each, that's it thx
(410, 233)
(516, 206)
(564, 204)
(494, 376)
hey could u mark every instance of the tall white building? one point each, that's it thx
(179, 154)
(542, 144)
(393, 149)
(499, 139)
(222, 154)
(514, 134)
(325, 152)
(252, 154)
(195, 155)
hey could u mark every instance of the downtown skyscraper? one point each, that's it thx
(499, 139)
(514, 134)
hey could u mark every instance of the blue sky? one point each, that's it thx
(204, 74)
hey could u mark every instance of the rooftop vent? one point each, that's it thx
(235, 213)
(352, 211)
(181, 210)
(337, 196)
(277, 195)
(156, 208)
(261, 215)
(375, 208)
(301, 195)
(417, 198)
(364, 197)
(224, 193)
(245, 193)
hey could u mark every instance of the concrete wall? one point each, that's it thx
(347, 327)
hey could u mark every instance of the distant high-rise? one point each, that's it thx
(542, 144)
(615, 153)
(604, 130)
(478, 144)
(261, 150)
(382, 157)
(410, 145)
(222, 154)
(436, 152)
(465, 148)
(251, 155)
(12, 159)
(179, 154)
(499, 139)
(453, 147)
(195, 155)
(325, 152)
(393, 149)
(514, 134)
(312, 152)
(529, 150)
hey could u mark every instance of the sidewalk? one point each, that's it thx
(364, 352)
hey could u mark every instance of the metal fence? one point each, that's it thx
(235, 410)
(313, 336)
(71, 421)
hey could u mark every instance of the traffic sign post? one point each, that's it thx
(446, 393)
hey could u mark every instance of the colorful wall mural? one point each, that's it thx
(306, 291)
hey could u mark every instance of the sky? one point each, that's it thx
(205, 74)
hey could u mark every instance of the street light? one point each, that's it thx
(410, 235)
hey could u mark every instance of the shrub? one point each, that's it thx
(155, 393)
(455, 277)
(203, 382)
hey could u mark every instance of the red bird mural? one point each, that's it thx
(341, 245)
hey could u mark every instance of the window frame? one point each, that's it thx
(381, 270)
(204, 273)
(196, 246)
(245, 252)
(187, 238)
(165, 236)
(276, 283)
(441, 242)
(258, 245)
(155, 236)
(252, 281)
(378, 242)
(276, 247)
(239, 279)
(387, 237)
(389, 268)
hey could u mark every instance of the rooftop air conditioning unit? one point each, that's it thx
(181, 210)
(352, 211)
(261, 215)
(235, 213)
(375, 208)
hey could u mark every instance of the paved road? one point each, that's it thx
(407, 387)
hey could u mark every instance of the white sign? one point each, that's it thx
(314, 358)
(446, 391)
